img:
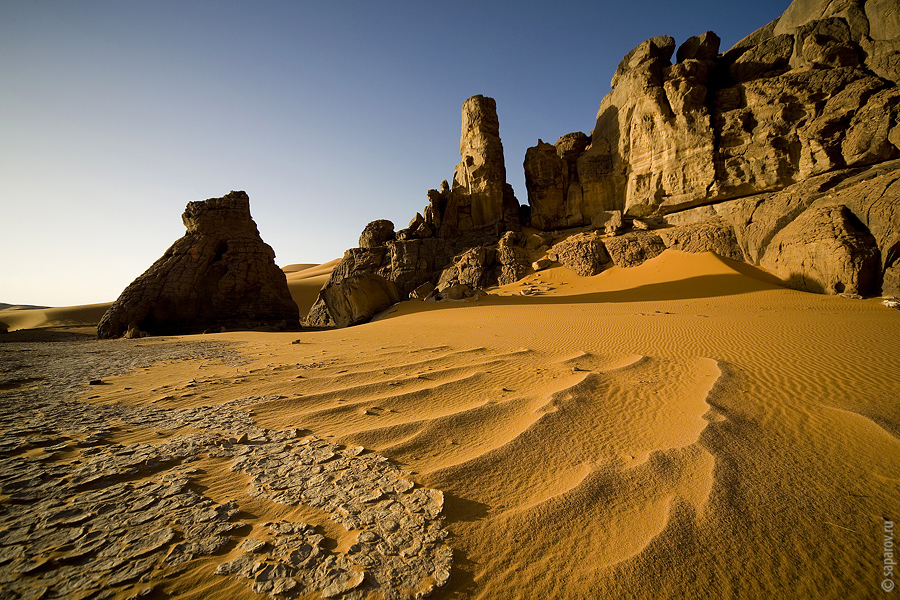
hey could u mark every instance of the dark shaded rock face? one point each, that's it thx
(220, 274)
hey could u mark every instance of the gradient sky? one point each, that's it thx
(114, 115)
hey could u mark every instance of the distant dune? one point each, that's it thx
(5, 306)
(87, 315)
(305, 281)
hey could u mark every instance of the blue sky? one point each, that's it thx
(114, 115)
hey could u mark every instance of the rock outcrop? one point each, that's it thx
(715, 235)
(764, 129)
(466, 226)
(584, 253)
(480, 201)
(869, 225)
(783, 151)
(825, 250)
(220, 274)
(356, 291)
(376, 234)
(632, 249)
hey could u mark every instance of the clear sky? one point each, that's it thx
(329, 114)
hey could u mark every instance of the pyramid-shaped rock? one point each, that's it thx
(220, 274)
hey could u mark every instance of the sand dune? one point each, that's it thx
(305, 281)
(686, 428)
(298, 267)
(87, 315)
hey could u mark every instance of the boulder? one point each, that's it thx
(220, 274)
(457, 291)
(471, 268)
(412, 262)
(537, 240)
(377, 233)
(355, 291)
(541, 264)
(632, 249)
(825, 250)
(584, 253)
(487, 265)
(608, 220)
(511, 258)
(422, 292)
(714, 235)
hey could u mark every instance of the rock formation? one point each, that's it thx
(814, 91)
(220, 274)
(584, 253)
(781, 151)
(480, 200)
(825, 250)
(465, 227)
(813, 94)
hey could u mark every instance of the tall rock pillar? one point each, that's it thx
(480, 198)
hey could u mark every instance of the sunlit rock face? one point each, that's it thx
(812, 92)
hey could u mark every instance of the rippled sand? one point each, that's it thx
(686, 428)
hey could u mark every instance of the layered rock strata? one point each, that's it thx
(220, 274)
(813, 94)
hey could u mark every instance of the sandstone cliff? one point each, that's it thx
(782, 152)
(812, 93)
(220, 274)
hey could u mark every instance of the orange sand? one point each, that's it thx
(685, 428)
(87, 315)
(305, 281)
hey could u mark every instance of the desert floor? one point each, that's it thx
(682, 429)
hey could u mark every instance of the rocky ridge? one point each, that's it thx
(781, 152)
(813, 93)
